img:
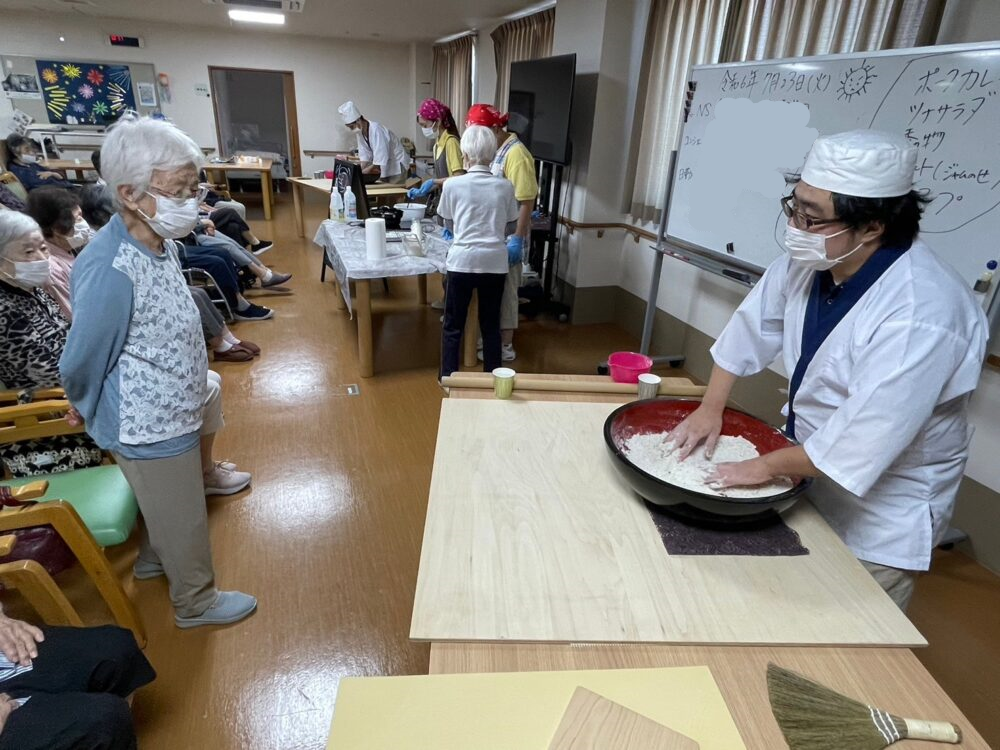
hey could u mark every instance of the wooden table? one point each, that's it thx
(78, 166)
(262, 167)
(323, 185)
(890, 678)
(344, 251)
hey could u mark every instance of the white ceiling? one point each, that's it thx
(390, 20)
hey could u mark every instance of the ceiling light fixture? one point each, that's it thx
(255, 16)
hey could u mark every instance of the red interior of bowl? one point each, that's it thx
(664, 415)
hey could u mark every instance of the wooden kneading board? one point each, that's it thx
(531, 535)
(592, 722)
(520, 710)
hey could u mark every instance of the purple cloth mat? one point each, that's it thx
(679, 538)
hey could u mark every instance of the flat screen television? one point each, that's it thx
(348, 174)
(540, 101)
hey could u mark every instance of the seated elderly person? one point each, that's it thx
(135, 368)
(32, 335)
(57, 212)
(9, 200)
(24, 165)
(97, 209)
(208, 235)
(66, 688)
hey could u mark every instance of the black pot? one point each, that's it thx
(391, 215)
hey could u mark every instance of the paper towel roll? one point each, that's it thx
(375, 238)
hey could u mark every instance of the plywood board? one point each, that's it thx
(519, 710)
(592, 722)
(532, 536)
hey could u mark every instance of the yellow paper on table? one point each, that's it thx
(519, 710)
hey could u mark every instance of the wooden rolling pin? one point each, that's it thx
(528, 383)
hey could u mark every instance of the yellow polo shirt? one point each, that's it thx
(519, 168)
(452, 149)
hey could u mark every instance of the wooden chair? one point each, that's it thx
(37, 587)
(88, 508)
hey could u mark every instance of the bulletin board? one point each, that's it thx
(78, 93)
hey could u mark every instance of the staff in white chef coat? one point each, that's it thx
(379, 148)
(884, 343)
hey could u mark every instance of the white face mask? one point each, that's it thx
(809, 248)
(429, 132)
(80, 236)
(174, 218)
(28, 274)
(28, 158)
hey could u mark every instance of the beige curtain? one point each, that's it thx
(451, 74)
(527, 38)
(682, 33)
(768, 29)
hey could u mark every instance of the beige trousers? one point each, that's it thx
(897, 583)
(171, 496)
(509, 305)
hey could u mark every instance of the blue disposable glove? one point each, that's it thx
(421, 192)
(515, 249)
(446, 235)
(536, 215)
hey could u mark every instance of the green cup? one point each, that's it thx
(503, 382)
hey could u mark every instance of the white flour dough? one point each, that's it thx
(654, 454)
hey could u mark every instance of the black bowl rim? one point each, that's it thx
(620, 455)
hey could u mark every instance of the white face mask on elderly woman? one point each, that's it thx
(429, 132)
(26, 274)
(174, 218)
(809, 248)
(80, 236)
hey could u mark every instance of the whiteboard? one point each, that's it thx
(749, 124)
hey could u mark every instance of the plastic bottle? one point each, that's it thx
(350, 205)
(981, 289)
(336, 206)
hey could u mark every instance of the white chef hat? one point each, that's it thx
(349, 111)
(862, 163)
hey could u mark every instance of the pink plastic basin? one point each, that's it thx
(626, 367)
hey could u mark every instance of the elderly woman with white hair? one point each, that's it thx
(135, 366)
(477, 207)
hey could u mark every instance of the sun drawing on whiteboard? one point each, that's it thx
(855, 81)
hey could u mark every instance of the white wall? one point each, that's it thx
(378, 76)
(970, 21)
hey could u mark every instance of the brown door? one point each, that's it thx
(255, 111)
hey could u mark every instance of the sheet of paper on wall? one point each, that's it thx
(520, 710)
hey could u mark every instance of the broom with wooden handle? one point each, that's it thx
(813, 717)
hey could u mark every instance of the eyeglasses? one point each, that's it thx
(805, 221)
(200, 194)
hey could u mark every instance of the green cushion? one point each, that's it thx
(99, 494)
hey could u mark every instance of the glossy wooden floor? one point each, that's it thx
(329, 536)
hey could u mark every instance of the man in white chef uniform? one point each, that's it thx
(884, 343)
(379, 149)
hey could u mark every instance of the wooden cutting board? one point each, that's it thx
(592, 722)
(531, 535)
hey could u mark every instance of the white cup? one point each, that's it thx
(649, 385)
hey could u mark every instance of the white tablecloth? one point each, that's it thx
(345, 250)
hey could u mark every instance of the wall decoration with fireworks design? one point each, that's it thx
(85, 93)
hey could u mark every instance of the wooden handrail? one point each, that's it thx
(635, 231)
